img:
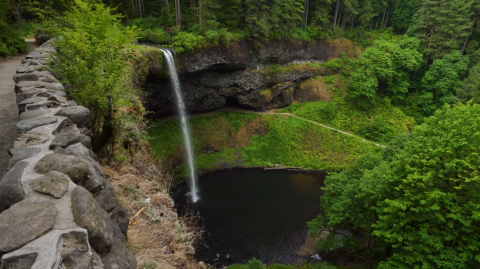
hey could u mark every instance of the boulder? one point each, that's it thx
(88, 214)
(53, 183)
(43, 104)
(72, 166)
(34, 113)
(26, 93)
(26, 140)
(28, 124)
(23, 223)
(36, 84)
(11, 188)
(106, 197)
(19, 154)
(24, 68)
(67, 139)
(72, 103)
(119, 257)
(120, 216)
(95, 182)
(77, 114)
(32, 100)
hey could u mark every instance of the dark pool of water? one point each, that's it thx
(251, 213)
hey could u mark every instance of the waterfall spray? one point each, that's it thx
(183, 122)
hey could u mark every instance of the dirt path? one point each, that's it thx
(8, 107)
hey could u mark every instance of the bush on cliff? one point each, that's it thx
(93, 48)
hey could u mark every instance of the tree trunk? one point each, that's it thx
(386, 19)
(200, 14)
(177, 13)
(376, 24)
(339, 17)
(18, 14)
(384, 14)
(336, 15)
(351, 25)
(134, 9)
(305, 14)
(465, 43)
(344, 20)
(167, 5)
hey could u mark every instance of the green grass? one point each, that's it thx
(348, 117)
(237, 139)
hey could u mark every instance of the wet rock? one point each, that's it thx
(119, 257)
(66, 126)
(67, 139)
(23, 223)
(34, 113)
(77, 114)
(53, 183)
(19, 262)
(19, 154)
(26, 140)
(72, 166)
(88, 214)
(25, 77)
(11, 188)
(28, 124)
(75, 252)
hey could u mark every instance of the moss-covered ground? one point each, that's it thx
(238, 139)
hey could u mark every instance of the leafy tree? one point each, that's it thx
(430, 215)
(92, 49)
(386, 62)
(441, 81)
(402, 18)
(421, 196)
(470, 87)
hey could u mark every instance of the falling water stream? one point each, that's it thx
(183, 122)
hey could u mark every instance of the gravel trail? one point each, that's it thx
(8, 106)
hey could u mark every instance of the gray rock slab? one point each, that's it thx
(36, 84)
(23, 223)
(72, 166)
(11, 188)
(28, 124)
(55, 86)
(23, 68)
(53, 183)
(44, 104)
(77, 114)
(34, 113)
(26, 140)
(48, 247)
(72, 103)
(25, 77)
(67, 139)
(26, 93)
(76, 254)
(88, 214)
(19, 262)
(66, 126)
(22, 153)
(32, 100)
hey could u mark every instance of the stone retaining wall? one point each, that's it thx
(56, 208)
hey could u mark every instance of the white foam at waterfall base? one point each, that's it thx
(183, 122)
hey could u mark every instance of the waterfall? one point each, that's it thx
(183, 121)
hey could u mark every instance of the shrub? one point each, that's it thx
(10, 42)
(93, 47)
(155, 35)
(186, 42)
(377, 130)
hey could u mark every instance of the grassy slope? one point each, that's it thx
(236, 139)
(341, 113)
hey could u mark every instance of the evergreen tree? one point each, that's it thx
(402, 18)
(470, 87)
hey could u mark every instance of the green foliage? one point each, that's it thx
(233, 139)
(92, 51)
(10, 42)
(155, 35)
(389, 63)
(441, 81)
(187, 42)
(420, 196)
(470, 87)
(150, 265)
(377, 130)
(256, 264)
(402, 18)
